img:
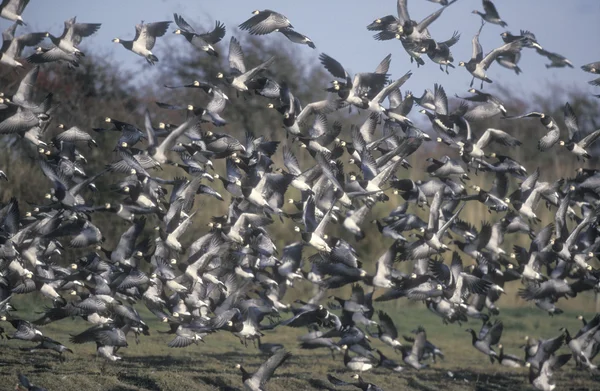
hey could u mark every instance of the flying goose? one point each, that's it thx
(239, 78)
(72, 35)
(541, 379)
(556, 60)
(491, 14)
(296, 37)
(479, 63)
(508, 360)
(439, 52)
(12, 47)
(204, 41)
(491, 106)
(553, 131)
(13, 9)
(579, 140)
(360, 383)
(489, 335)
(256, 381)
(475, 150)
(265, 22)
(414, 356)
(507, 37)
(145, 38)
(358, 90)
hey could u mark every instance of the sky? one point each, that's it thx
(338, 28)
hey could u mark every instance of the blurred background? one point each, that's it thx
(116, 83)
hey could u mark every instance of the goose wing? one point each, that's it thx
(266, 370)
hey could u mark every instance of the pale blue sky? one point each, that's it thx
(338, 28)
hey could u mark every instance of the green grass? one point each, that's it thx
(151, 365)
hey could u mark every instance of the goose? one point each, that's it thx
(439, 52)
(479, 63)
(269, 348)
(593, 67)
(475, 150)
(13, 9)
(491, 14)
(360, 383)
(54, 54)
(265, 22)
(296, 37)
(488, 336)
(363, 86)
(387, 332)
(158, 151)
(204, 41)
(240, 77)
(556, 60)
(414, 356)
(256, 381)
(579, 141)
(430, 349)
(553, 131)
(541, 379)
(431, 242)
(314, 233)
(538, 352)
(50, 344)
(24, 330)
(580, 343)
(144, 40)
(508, 359)
(412, 33)
(446, 167)
(72, 36)
(24, 381)
(357, 363)
(12, 47)
(507, 37)
(491, 106)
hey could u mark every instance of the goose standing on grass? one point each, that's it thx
(204, 41)
(145, 38)
(13, 9)
(491, 14)
(256, 381)
(265, 22)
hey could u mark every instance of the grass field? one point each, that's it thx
(151, 365)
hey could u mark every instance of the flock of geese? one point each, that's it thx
(233, 278)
